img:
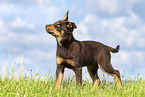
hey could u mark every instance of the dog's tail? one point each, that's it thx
(114, 50)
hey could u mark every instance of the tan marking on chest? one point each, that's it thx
(62, 32)
(59, 60)
(70, 62)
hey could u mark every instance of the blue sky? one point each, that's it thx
(111, 22)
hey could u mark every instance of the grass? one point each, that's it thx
(44, 87)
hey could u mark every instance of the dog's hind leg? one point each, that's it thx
(105, 66)
(93, 69)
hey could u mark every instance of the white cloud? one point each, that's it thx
(44, 2)
(19, 23)
(6, 9)
(130, 61)
(133, 1)
(5, 35)
(1, 23)
(107, 7)
(138, 7)
(122, 30)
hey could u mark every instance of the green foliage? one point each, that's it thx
(38, 86)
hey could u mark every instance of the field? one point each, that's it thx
(37, 86)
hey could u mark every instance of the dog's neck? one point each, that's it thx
(66, 41)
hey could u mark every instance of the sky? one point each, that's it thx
(26, 46)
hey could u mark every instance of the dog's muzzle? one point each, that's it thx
(47, 27)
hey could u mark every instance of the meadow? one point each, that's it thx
(43, 86)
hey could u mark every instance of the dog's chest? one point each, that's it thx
(69, 63)
(69, 57)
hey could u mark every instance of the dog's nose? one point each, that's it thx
(47, 27)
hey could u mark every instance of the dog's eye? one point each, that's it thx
(58, 25)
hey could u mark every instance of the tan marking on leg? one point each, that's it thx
(118, 80)
(59, 60)
(102, 69)
(58, 81)
(71, 62)
(96, 82)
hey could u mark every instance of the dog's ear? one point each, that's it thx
(71, 26)
(66, 16)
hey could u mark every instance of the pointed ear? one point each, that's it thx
(66, 16)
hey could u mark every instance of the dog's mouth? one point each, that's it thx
(52, 33)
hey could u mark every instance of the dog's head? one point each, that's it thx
(61, 29)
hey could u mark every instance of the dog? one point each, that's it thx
(74, 54)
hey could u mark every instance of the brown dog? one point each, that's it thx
(74, 54)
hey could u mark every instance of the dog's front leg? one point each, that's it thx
(59, 76)
(78, 73)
